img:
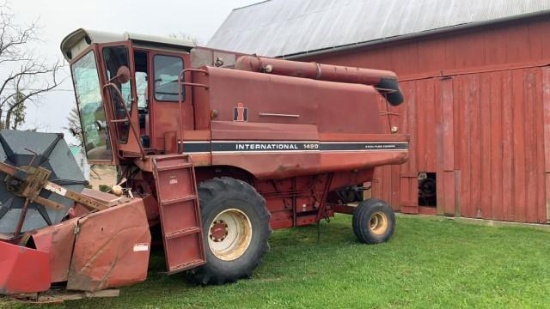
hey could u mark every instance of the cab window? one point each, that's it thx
(166, 70)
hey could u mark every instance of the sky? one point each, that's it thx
(57, 18)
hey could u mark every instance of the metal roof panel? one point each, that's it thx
(286, 27)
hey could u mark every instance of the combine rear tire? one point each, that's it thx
(373, 221)
(236, 228)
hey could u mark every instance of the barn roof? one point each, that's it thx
(290, 27)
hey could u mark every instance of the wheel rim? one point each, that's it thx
(229, 234)
(378, 223)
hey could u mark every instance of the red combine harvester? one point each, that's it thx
(212, 148)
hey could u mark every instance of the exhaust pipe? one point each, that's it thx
(385, 82)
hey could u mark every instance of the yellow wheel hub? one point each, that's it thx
(378, 223)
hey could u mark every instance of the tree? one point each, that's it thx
(74, 125)
(16, 112)
(29, 74)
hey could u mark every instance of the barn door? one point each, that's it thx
(427, 182)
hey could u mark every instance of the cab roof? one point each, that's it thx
(80, 39)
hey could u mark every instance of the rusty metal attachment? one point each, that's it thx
(38, 179)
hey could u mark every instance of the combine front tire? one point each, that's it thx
(235, 230)
(373, 221)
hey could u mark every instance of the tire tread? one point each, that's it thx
(210, 192)
(361, 219)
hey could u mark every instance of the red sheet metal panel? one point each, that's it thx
(58, 241)
(111, 249)
(23, 270)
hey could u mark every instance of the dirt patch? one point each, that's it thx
(102, 175)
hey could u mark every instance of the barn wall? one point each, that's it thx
(478, 113)
(520, 43)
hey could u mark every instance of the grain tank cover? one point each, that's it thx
(47, 150)
(385, 82)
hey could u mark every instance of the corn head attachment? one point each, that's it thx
(43, 241)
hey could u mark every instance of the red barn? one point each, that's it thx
(476, 79)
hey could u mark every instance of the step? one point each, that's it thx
(174, 167)
(186, 266)
(183, 232)
(178, 200)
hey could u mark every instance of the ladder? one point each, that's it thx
(180, 216)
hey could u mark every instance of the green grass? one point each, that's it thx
(429, 263)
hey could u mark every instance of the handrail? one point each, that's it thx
(181, 83)
(119, 120)
(194, 85)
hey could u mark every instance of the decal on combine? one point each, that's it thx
(306, 146)
(141, 247)
(263, 146)
(240, 113)
(50, 186)
(173, 180)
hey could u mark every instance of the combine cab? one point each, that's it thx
(214, 148)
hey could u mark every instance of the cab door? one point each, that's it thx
(121, 99)
(167, 117)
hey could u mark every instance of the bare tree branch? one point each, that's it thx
(74, 125)
(29, 76)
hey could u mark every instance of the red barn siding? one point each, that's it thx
(546, 115)
(485, 141)
(478, 114)
(520, 43)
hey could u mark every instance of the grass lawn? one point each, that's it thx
(429, 263)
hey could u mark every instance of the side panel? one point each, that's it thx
(23, 270)
(280, 126)
(111, 249)
(57, 241)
